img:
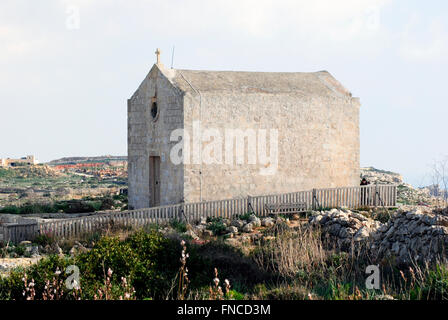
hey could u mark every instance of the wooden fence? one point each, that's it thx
(16, 232)
(350, 197)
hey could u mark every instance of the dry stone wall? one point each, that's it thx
(418, 235)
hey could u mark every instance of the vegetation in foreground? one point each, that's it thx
(154, 264)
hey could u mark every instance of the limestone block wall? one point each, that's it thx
(148, 137)
(318, 143)
(318, 140)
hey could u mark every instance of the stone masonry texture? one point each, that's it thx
(316, 117)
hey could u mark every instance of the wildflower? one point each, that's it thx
(227, 283)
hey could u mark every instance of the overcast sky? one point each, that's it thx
(68, 67)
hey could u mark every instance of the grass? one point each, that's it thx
(47, 183)
(88, 204)
(291, 264)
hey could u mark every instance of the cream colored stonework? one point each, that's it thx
(316, 118)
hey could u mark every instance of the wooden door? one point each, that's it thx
(154, 181)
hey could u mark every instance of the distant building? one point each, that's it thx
(28, 160)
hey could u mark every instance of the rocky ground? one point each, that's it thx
(237, 232)
(418, 235)
(407, 194)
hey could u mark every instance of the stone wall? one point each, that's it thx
(318, 137)
(418, 235)
(148, 137)
(318, 143)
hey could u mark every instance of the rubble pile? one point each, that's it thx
(409, 236)
(406, 193)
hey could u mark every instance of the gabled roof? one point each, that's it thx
(302, 83)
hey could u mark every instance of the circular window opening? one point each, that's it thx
(154, 110)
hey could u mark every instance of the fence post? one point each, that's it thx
(374, 199)
(313, 206)
(250, 208)
(395, 195)
(337, 199)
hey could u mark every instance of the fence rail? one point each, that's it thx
(16, 232)
(350, 197)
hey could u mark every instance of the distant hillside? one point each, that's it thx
(407, 194)
(75, 160)
(379, 176)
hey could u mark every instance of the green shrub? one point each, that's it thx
(44, 239)
(178, 225)
(217, 227)
(235, 295)
(12, 287)
(10, 209)
(245, 216)
(107, 203)
(149, 260)
(157, 265)
(20, 250)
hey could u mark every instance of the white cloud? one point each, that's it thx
(312, 24)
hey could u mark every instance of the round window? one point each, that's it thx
(154, 110)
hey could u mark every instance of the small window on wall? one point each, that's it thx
(154, 111)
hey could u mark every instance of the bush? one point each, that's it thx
(216, 225)
(44, 239)
(149, 260)
(70, 206)
(12, 287)
(20, 250)
(10, 209)
(245, 216)
(178, 225)
(107, 203)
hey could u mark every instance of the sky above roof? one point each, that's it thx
(68, 66)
